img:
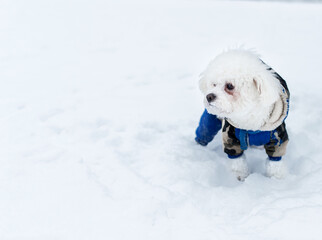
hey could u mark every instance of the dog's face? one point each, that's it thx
(237, 85)
(231, 96)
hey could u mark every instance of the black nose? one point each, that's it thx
(211, 97)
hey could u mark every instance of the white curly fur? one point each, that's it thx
(256, 89)
(276, 169)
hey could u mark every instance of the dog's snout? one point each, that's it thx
(211, 97)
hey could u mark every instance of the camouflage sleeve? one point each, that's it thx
(276, 148)
(231, 143)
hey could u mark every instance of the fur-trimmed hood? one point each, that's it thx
(280, 108)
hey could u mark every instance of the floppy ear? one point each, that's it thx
(257, 85)
(203, 84)
(268, 89)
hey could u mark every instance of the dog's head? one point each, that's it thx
(238, 85)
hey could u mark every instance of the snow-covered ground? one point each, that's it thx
(99, 102)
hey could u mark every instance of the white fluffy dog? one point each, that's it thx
(252, 100)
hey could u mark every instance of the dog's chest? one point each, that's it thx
(252, 138)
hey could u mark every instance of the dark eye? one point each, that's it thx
(229, 86)
(214, 84)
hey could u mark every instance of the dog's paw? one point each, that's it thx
(276, 169)
(240, 168)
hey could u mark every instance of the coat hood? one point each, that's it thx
(279, 109)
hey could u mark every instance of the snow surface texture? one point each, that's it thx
(99, 104)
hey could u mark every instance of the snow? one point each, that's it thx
(99, 104)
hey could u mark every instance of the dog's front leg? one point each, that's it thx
(240, 168)
(232, 148)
